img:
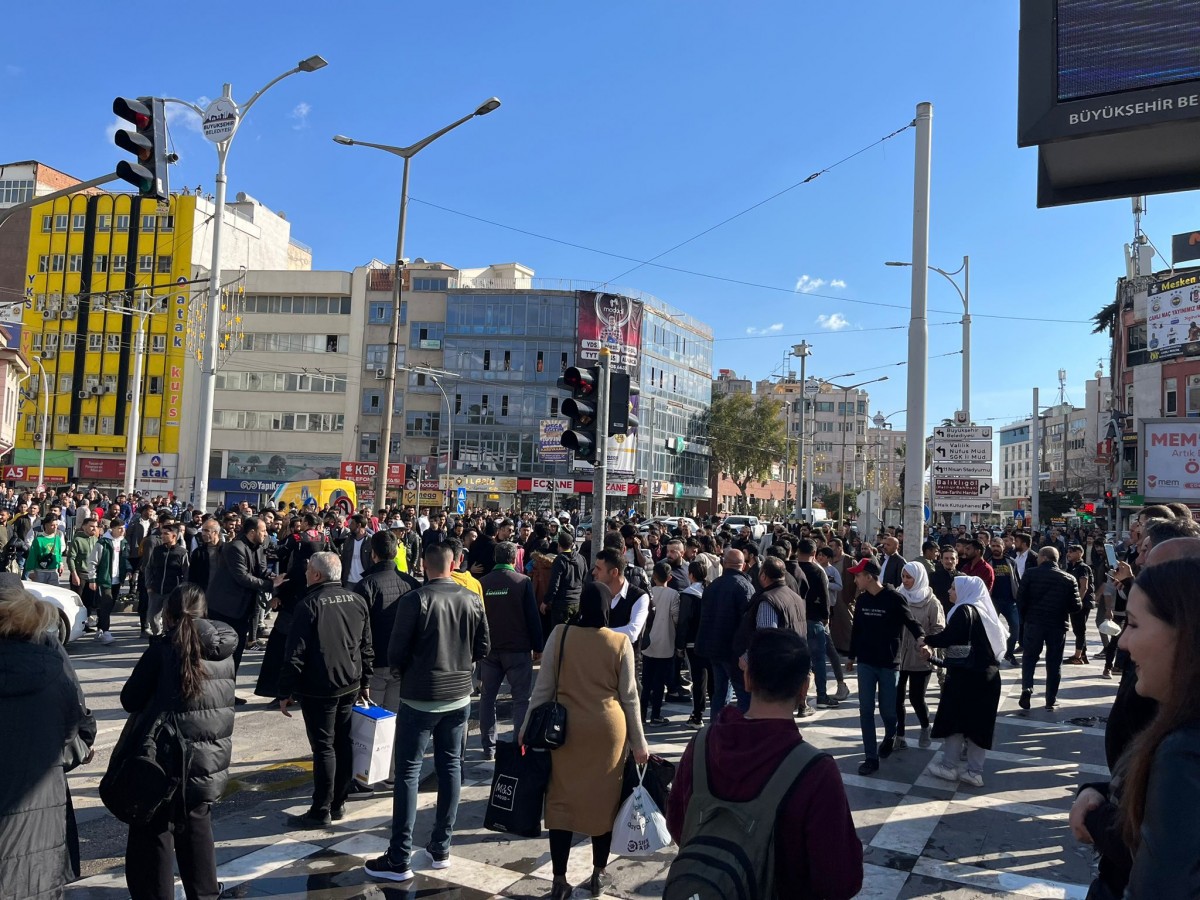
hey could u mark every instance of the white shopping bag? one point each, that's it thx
(372, 733)
(640, 828)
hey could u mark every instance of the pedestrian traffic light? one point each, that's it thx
(147, 142)
(1089, 508)
(580, 408)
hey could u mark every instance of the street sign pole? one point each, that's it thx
(600, 473)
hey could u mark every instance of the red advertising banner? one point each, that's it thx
(93, 468)
(612, 321)
(366, 473)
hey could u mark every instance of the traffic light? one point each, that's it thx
(1108, 496)
(621, 391)
(147, 142)
(580, 408)
(1089, 508)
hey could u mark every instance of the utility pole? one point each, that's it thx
(650, 459)
(802, 350)
(1036, 441)
(600, 473)
(918, 339)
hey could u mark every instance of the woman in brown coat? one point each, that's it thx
(598, 687)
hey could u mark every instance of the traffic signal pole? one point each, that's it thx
(600, 473)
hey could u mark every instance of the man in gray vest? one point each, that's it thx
(516, 638)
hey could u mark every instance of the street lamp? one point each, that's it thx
(389, 384)
(45, 420)
(964, 294)
(435, 375)
(212, 324)
(845, 408)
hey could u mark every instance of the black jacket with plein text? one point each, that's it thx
(329, 650)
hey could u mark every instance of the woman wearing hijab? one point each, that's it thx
(973, 641)
(915, 669)
(598, 687)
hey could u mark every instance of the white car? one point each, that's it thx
(72, 614)
(737, 523)
(670, 523)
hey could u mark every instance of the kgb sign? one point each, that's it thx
(366, 473)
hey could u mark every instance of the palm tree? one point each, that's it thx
(1106, 319)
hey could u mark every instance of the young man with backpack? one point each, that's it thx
(762, 769)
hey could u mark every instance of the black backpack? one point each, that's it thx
(147, 771)
(727, 850)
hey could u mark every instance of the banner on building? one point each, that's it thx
(1173, 316)
(155, 472)
(612, 321)
(29, 474)
(1185, 247)
(1170, 468)
(285, 466)
(366, 473)
(550, 448)
(93, 469)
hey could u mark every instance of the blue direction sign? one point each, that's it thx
(462, 500)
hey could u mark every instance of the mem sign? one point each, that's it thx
(1171, 460)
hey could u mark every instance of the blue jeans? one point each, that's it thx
(724, 674)
(870, 678)
(518, 668)
(413, 731)
(817, 636)
(1009, 611)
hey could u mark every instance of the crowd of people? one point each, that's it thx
(428, 615)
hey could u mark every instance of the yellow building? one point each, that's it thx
(90, 259)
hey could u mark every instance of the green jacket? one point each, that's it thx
(78, 551)
(45, 553)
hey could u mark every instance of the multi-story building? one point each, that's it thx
(727, 382)
(885, 463)
(100, 268)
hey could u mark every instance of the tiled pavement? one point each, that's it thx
(922, 837)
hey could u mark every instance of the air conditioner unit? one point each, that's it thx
(47, 354)
(129, 396)
(37, 437)
(82, 395)
(96, 390)
(1193, 380)
(68, 314)
(49, 314)
(381, 374)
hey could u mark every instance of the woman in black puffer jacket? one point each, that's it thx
(189, 671)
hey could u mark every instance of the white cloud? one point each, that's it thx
(835, 322)
(179, 115)
(807, 284)
(300, 115)
(774, 328)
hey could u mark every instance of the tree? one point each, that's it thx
(1106, 319)
(832, 503)
(1056, 504)
(746, 437)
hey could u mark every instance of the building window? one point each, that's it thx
(112, 343)
(75, 263)
(487, 360)
(150, 427)
(553, 406)
(43, 263)
(158, 343)
(166, 223)
(16, 190)
(427, 335)
(68, 340)
(47, 223)
(64, 384)
(379, 312)
(107, 424)
(422, 424)
(331, 343)
(35, 342)
(79, 222)
(60, 222)
(87, 425)
(119, 261)
(146, 263)
(1170, 397)
(369, 446)
(122, 223)
(155, 385)
(57, 262)
(164, 265)
(62, 424)
(430, 284)
(100, 262)
(103, 223)
(148, 223)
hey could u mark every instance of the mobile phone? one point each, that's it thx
(1111, 554)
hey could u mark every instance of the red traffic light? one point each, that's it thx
(1089, 507)
(580, 380)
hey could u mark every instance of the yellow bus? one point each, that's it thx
(334, 492)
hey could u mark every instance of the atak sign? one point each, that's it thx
(367, 473)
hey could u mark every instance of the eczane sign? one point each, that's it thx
(1170, 467)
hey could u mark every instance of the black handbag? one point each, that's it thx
(548, 723)
(518, 794)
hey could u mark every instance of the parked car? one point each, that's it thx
(72, 614)
(737, 523)
(670, 523)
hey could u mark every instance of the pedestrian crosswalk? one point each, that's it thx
(922, 836)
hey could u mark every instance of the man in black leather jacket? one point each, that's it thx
(1045, 600)
(440, 633)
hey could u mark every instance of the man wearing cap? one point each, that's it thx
(971, 562)
(881, 614)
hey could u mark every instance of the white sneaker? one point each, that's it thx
(105, 637)
(943, 771)
(90, 623)
(972, 778)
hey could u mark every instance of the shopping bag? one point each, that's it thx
(372, 734)
(518, 790)
(640, 828)
(656, 781)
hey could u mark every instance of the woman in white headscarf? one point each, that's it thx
(915, 669)
(973, 641)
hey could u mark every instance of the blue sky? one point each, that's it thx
(628, 128)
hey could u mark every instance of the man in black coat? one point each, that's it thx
(383, 585)
(721, 608)
(166, 569)
(328, 665)
(891, 563)
(206, 557)
(1045, 600)
(566, 581)
(240, 577)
